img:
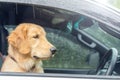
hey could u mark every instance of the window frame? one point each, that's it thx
(68, 8)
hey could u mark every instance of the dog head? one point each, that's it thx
(30, 39)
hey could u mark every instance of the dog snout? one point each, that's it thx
(53, 50)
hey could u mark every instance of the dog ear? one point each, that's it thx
(13, 39)
(18, 39)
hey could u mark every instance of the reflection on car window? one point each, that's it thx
(102, 36)
(62, 28)
(70, 54)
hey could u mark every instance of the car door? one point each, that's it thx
(79, 52)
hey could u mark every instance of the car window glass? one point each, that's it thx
(62, 28)
(107, 39)
(71, 53)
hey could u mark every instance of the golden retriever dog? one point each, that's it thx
(27, 47)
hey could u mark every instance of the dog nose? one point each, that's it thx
(53, 50)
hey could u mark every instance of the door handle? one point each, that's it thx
(91, 45)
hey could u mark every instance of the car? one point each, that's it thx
(85, 33)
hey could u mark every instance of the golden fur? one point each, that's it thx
(25, 42)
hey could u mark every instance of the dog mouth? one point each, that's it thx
(36, 57)
(43, 58)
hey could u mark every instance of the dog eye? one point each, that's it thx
(36, 36)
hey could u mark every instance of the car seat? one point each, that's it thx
(3, 40)
(3, 34)
(3, 37)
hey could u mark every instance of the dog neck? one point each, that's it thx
(16, 55)
(25, 62)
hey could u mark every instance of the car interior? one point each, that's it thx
(78, 52)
